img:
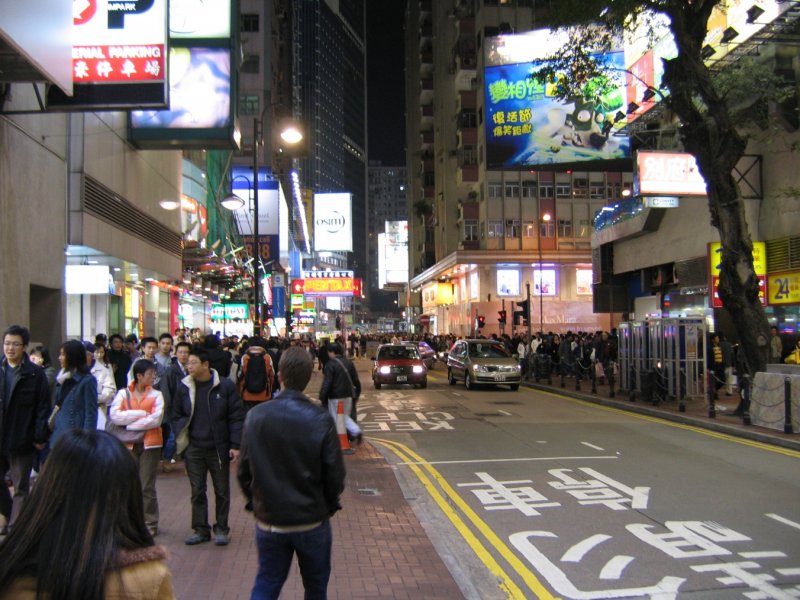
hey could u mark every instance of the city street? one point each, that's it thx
(528, 494)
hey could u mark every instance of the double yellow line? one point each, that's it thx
(446, 498)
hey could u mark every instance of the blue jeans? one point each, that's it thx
(275, 552)
(170, 446)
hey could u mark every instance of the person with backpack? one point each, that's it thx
(257, 374)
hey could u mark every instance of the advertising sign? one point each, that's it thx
(268, 202)
(508, 282)
(544, 282)
(783, 288)
(199, 19)
(527, 125)
(339, 286)
(583, 282)
(333, 225)
(88, 279)
(759, 266)
(668, 173)
(230, 312)
(392, 258)
(118, 56)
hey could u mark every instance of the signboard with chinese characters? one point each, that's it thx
(118, 56)
(783, 288)
(668, 173)
(329, 286)
(759, 266)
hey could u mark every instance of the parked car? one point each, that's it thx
(482, 361)
(427, 353)
(399, 364)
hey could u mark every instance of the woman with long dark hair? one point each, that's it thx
(76, 392)
(81, 534)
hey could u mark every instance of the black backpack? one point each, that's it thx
(256, 378)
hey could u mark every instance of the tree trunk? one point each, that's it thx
(709, 134)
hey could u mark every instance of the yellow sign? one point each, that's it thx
(759, 257)
(784, 288)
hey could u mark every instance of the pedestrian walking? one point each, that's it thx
(340, 383)
(24, 409)
(76, 392)
(207, 417)
(292, 472)
(140, 407)
(83, 535)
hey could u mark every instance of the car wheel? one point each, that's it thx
(377, 385)
(468, 382)
(450, 378)
(514, 387)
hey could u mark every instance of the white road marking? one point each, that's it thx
(502, 412)
(598, 448)
(579, 550)
(491, 460)
(789, 572)
(764, 554)
(613, 569)
(783, 520)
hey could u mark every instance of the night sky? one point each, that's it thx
(385, 86)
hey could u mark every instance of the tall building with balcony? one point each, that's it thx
(479, 236)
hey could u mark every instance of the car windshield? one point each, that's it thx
(487, 351)
(395, 352)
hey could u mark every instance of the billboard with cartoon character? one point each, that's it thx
(527, 125)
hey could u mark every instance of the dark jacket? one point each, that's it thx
(291, 464)
(227, 413)
(169, 387)
(220, 360)
(78, 406)
(335, 383)
(23, 415)
(120, 365)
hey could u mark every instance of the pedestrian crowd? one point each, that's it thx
(81, 445)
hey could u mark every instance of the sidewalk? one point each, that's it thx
(380, 549)
(696, 412)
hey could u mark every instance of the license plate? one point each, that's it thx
(499, 377)
(402, 378)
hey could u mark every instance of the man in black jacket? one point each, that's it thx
(207, 415)
(24, 409)
(340, 383)
(291, 469)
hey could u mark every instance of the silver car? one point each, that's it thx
(482, 361)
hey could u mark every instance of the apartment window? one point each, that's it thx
(596, 191)
(512, 190)
(495, 229)
(469, 155)
(248, 23)
(528, 229)
(248, 105)
(470, 230)
(563, 190)
(495, 190)
(613, 191)
(512, 228)
(546, 190)
(565, 228)
(547, 229)
(529, 189)
(250, 63)
(584, 228)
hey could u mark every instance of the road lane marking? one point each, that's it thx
(662, 421)
(763, 554)
(783, 520)
(495, 460)
(405, 453)
(579, 550)
(598, 448)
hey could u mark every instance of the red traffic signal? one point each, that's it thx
(481, 321)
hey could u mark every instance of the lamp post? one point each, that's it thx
(545, 220)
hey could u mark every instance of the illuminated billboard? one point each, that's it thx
(199, 19)
(333, 225)
(118, 56)
(508, 282)
(668, 173)
(544, 282)
(526, 125)
(268, 201)
(393, 254)
(759, 267)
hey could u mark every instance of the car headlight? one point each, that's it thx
(385, 370)
(479, 368)
(418, 369)
(518, 367)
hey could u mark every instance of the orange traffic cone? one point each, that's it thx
(344, 443)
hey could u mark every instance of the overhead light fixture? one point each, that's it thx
(632, 107)
(707, 52)
(753, 13)
(649, 94)
(169, 204)
(729, 35)
(232, 202)
(291, 135)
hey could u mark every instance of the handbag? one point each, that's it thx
(123, 434)
(354, 391)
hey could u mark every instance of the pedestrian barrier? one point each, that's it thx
(344, 442)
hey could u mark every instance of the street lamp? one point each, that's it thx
(545, 221)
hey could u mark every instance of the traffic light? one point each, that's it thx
(289, 321)
(501, 317)
(481, 321)
(524, 312)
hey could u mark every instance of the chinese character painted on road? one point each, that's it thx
(600, 490)
(500, 495)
